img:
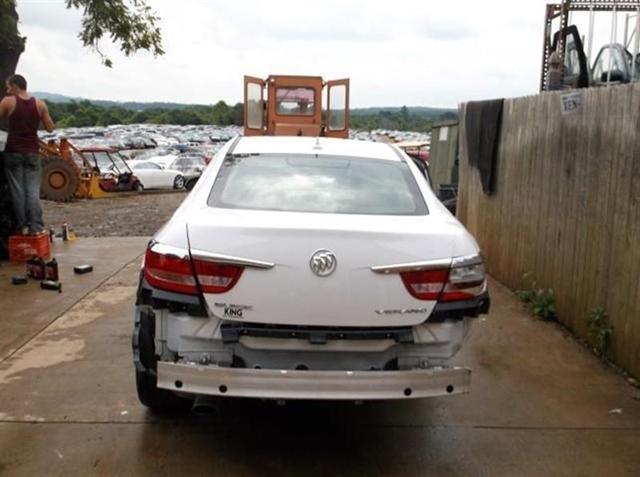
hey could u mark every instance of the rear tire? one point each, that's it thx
(178, 182)
(190, 184)
(59, 180)
(138, 187)
(158, 400)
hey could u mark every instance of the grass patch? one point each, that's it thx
(600, 330)
(538, 301)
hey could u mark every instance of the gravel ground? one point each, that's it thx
(119, 216)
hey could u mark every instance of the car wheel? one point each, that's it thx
(178, 182)
(138, 187)
(190, 184)
(158, 400)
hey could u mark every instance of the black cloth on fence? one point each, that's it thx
(483, 121)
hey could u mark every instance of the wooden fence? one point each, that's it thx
(566, 207)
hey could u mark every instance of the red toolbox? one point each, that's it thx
(24, 247)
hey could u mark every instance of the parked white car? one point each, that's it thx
(154, 176)
(306, 268)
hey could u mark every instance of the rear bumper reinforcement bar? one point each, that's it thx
(290, 384)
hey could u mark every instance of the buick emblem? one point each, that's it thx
(323, 263)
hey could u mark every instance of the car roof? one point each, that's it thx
(315, 145)
(98, 149)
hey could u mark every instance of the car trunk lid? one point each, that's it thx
(279, 285)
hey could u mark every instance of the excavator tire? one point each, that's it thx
(59, 180)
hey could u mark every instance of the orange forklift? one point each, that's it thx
(294, 106)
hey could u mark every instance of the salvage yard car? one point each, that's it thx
(191, 166)
(155, 176)
(306, 268)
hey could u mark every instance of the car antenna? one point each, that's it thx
(317, 144)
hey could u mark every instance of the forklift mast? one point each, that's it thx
(567, 40)
(293, 106)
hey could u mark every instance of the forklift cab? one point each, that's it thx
(294, 106)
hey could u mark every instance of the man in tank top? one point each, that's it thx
(21, 160)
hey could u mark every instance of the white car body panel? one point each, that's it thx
(154, 178)
(290, 293)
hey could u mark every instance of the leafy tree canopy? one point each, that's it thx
(131, 24)
(85, 113)
(10, 38)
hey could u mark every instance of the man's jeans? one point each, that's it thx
(23, 173)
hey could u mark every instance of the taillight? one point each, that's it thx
(466, 279)
(171, 269)
(216, 277)
(463, 281)
(425, 284)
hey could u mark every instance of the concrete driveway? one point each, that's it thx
(540, 403)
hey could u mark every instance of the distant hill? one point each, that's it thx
(131, 105)
(419, 111)
(54, 97)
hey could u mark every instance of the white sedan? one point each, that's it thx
(306, 268)
(155, 176)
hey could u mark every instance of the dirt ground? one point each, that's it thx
(120, 216)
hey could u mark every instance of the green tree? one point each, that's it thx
(108, 116)
(11, 43)
(130, 23)
(67, 121)
(139, 117)
(237, 114)
(219, 113)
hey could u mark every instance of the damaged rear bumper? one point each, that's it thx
(290, 384)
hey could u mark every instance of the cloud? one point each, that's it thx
(51, 15)
(404, 52)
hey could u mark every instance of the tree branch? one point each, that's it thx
(131, 24)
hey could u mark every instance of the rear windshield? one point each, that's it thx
(317, 184)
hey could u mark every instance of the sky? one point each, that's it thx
(414, 53)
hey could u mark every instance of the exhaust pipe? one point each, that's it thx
(205, 405)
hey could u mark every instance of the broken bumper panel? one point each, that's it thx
(289, 384)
